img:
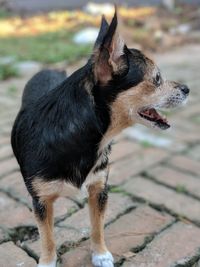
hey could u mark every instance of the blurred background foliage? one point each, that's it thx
(49, 37)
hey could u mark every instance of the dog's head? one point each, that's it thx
(131, 83)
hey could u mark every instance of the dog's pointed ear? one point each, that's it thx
(102, 32)
(109, 57)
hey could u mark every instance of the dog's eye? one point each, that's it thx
(158, 78)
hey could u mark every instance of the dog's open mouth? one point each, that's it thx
(152, 115)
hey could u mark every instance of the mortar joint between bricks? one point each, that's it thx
(16, 198)
(162, 208)
(150, 238)
(147, 176)
(147, 240)
(190, 261)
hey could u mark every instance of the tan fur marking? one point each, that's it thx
(97, 218)
(44, 189)
(45, 227)
(127, 101)
(53, 189)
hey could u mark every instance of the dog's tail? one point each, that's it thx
(40, 84)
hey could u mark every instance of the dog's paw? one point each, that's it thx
(103, 260)
(51, 264)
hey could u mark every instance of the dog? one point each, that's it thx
(63, 133)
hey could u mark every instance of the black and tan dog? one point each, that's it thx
(63, 132)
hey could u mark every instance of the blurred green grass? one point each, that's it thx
(46, 48)
(4, 13)
(7, 71)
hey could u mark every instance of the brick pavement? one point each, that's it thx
(153, 218)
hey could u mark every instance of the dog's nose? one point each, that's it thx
(185, 89)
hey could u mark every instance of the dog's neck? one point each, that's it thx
(120, 120)
(110, 108)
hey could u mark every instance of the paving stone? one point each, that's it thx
(160, 195)
(186, 164)
(123, 149)
(14, 184)
(28, 67)
(79, 257)
(140, 224)
(11, 255)
(5, 152)
(131, 230)
(190, 111)
(197, 264)
(8, 166)
(19, 83)
(174, 246)
(141, 160)
(13, 214)
(3, 235)
(149, 137)
(194, 153)
(181, 127)
(6, 129)
(64, 206)
(176, 179)
(6, 121)
(6, 101)
(4, 140)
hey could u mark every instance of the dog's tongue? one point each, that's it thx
(153, 115)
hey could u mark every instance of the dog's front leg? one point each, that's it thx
(101, 257)
(43, 211)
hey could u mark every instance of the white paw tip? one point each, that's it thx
(102, 260)
(51, 264)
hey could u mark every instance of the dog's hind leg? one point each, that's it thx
(43, 210)
(97, 201)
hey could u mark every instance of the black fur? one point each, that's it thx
(57, 136)
(103, 30)
(39, 208)
(103, 198)
(57, 132)
(41, 84)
